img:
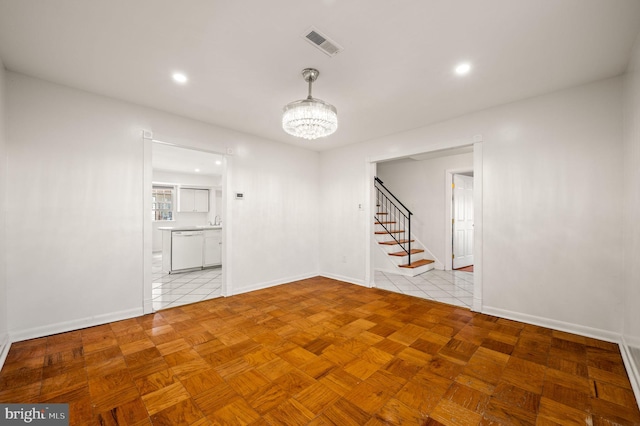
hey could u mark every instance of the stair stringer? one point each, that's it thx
(428, 254)
(383, 262)
(393, 262)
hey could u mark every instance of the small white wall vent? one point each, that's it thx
(322, 42)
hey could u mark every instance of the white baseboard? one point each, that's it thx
(273, 283)
(400, 271)
(61, 327)
(631, 341)
(632, 369)
(343, 278)
(477, 304)
(147, 306)
(389, 271)
(5, 345)
(568, 327)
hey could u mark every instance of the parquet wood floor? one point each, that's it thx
(322, 352)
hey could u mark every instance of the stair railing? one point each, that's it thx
(399, 216)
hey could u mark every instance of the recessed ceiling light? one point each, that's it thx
(179, 78)
(196, 170)
(218, 162)
(463, 68)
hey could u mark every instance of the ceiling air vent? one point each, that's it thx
(322, 42)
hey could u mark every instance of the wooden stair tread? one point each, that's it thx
(394, 242)
(417, 263)
(384, 223)
(382, 213)
(404, 253)
(399, 231)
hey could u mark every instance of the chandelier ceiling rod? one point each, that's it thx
(310, 75)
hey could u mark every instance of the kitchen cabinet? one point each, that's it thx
(193, 200)
(212, 247)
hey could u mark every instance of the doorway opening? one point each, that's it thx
(436, 238)
(184, 217)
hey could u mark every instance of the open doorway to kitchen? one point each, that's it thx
(419, 179)
(186, 213)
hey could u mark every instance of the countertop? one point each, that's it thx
(190, 228)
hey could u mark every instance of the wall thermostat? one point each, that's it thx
(239, 196)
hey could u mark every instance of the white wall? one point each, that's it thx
(275, 226)
(343, 224)
(4, 338)
(552, 200)
(75, 205)
(420, 185)
(190, 218)
(632, 210)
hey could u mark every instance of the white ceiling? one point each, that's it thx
(182, 160)
(244, 58)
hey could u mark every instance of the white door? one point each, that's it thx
(462, 221)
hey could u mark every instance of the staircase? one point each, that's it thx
(393, 234)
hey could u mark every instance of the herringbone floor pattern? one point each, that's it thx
(320, 352)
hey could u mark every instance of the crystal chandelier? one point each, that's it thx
(309, 118)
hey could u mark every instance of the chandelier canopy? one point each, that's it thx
(309, 118)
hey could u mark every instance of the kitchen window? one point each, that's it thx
(162, 203)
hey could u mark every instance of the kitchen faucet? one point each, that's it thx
(216, 221)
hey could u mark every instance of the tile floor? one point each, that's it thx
(451, 287)
(170, 290)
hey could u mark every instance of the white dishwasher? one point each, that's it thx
(186, 249)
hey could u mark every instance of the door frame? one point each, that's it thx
(371, 166)
(448, 209)
(147, 228)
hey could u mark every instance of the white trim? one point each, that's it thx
(147, 306)
(5, 345)
(596, 333)
(632, 341)
(274, 283)
(370, 206)
(147, 227)
(478, 218)
(404, 272)
(632, 368)
(408, 152)
(61, 327)
(227, 162)
(180, 145)
(343, 278)
(387, 271)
